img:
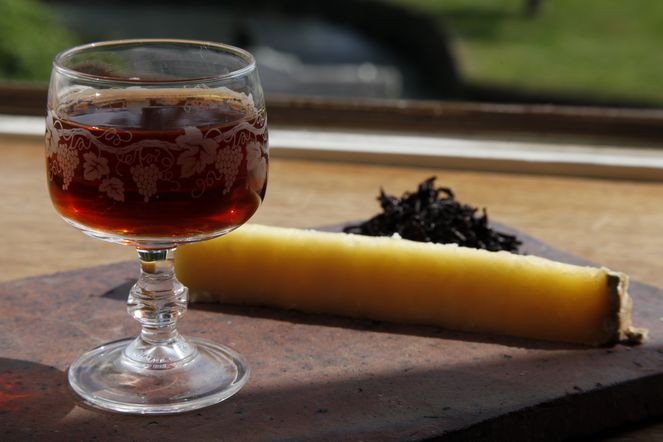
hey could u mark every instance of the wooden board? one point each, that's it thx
(324, 378)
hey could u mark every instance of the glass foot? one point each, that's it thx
(106, 378)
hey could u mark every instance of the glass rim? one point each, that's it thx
(73, 73)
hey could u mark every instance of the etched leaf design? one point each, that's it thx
(113, 187)
(199, 152)
(94, 167)
(52, 136)
(256, 164)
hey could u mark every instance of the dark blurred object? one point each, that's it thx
(345, 48)
(532, 7)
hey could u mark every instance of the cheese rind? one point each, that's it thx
(392, 279)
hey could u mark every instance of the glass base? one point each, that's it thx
(107, 379)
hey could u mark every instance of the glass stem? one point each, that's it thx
(156, 301)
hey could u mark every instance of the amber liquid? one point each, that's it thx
(166, 171)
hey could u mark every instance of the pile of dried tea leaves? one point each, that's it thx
(433, 215)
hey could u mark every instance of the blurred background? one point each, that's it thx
(589, 52)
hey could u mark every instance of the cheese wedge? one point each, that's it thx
(392, 279)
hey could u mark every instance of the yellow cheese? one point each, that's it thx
(392, 279)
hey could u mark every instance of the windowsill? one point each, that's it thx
(408, 149)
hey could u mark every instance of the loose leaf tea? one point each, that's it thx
(432, 214)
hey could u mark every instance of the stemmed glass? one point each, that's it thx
(155, 143)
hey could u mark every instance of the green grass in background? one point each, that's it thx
(603, 49)
(29, 38)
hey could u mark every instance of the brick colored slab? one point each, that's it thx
(324, 378)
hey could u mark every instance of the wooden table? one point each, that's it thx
(614, 223)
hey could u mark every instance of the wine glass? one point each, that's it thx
(156, 143)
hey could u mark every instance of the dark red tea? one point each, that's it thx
(157, 168)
